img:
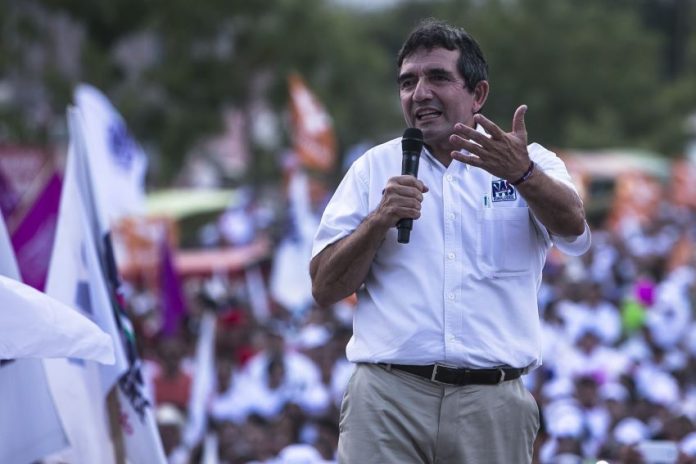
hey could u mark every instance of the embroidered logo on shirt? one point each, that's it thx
(502, 191)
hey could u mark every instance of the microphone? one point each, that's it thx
(411, 144)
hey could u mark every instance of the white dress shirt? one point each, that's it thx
(463, 291)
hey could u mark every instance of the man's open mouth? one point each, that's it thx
(425, 115)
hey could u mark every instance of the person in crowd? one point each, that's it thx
(445, 325)
(172, 381)
(593, 309)
(170, 423)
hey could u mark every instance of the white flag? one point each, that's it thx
(75, 274)
(203, 383)
(138, 426)
(29, 425)
(33, 325)
(77, 391)
(210, 450)
(116, 161)
(290, 283)
(75, 278)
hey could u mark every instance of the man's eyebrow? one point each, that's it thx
(404, 76)
(438, 72)
(428, 72)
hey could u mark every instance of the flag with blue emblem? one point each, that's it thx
(112, 169)
(117, 163)
(75, 276)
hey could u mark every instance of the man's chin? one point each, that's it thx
(426, 129)
(433, 136)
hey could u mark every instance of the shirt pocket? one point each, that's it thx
(505, 241)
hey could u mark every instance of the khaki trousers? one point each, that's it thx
(390, 416)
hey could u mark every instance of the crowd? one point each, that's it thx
(617, 381)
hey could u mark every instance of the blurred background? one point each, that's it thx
(250, 111)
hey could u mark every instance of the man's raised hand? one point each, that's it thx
(503, 154)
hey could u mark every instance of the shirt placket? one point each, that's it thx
(452, 288)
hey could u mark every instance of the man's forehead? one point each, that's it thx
(429, 59)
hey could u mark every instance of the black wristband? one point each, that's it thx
(526, 175)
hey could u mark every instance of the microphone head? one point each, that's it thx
(412, 140)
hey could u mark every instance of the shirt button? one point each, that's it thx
(450, 255)
(449, 177)
(450, 216)
(452, 338)
(450, 296)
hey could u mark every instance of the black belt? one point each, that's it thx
(454, 376)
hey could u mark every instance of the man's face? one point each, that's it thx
(434, 96)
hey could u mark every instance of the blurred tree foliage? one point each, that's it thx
(595, 73)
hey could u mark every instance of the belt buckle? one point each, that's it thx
(434, 374)
(502, 376)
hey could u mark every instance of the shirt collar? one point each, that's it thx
(433, 160)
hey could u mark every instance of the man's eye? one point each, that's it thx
(407, 83)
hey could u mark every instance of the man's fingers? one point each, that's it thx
(471, 134)
(468, 145)
(406, 186)
(402, 198)
(494, 131)
(408, 180)
(518, 125)
(472, 160)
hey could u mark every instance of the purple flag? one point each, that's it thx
(32, 240)
(171, 294)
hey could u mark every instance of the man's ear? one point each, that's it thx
(480, 95)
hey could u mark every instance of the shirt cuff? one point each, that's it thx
(574, 246)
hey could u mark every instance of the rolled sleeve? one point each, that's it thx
(345, 211)
(574, 246)
(555, 167)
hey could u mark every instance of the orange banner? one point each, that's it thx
(313, 135)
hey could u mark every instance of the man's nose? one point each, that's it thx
(422, 90)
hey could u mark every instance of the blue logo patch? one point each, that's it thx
(121, 145)
(502, 191)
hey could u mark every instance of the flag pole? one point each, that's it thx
(114, 410)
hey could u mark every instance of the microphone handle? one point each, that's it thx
(403, 229)
(409, 166)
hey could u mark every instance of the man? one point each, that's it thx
(446, 324)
